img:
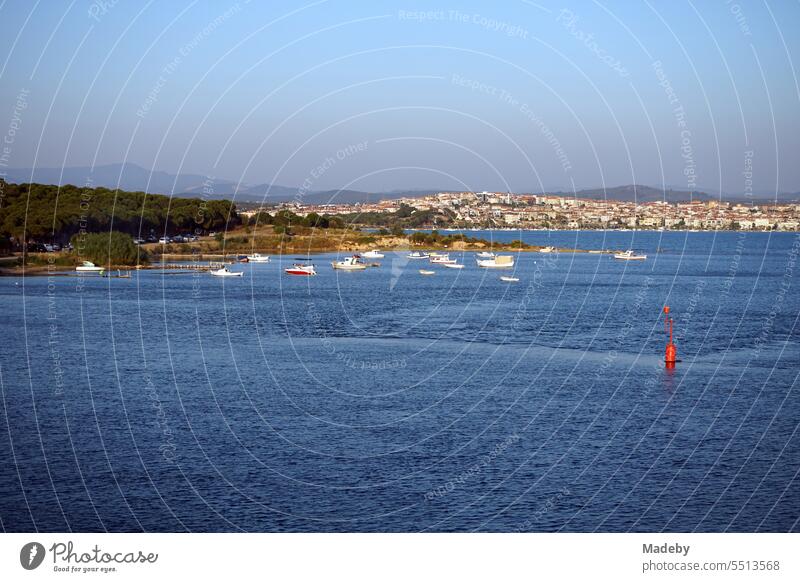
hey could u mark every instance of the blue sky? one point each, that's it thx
(515, 95)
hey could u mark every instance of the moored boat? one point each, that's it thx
(485, 255)
(258, 258)
(349, 264)
(225, 272)
(426, 272)
(510, 279)
(629, 255)
(373, 254)
(90, 267)
(300, 269)
(442, 259)
(416, 255)
(453, 266)
(499, 262)
(548, 250)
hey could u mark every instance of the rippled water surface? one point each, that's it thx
(390, 401)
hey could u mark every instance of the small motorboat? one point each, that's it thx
(629, 255)
(224, 272)
(426, 272)
(453, 266)
(416, 255)
(372, 255)
(349, 264)
(257, 258)
(499, 262)
(300, 269)
(89, 267)
(510, 279)
(548, 250)
(442, 259)
(485, 255)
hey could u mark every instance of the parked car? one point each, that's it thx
(138, 241)
(164, 240)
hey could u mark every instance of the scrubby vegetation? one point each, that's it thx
(107, 248)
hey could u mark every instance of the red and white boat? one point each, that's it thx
(299, 269)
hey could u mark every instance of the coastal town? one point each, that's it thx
(554, 211)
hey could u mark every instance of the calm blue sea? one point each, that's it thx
(390, 401)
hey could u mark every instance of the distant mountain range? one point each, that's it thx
(132, 177)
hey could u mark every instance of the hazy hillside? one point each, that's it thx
(132, 177)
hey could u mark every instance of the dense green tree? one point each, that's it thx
(43, 212)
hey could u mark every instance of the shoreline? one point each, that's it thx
(38, 270)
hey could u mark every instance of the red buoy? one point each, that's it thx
(671, 353)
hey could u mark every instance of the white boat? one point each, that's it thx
(510, 279)
(88, 266)
(426, 272)
(416, 255)
(547, 250)
(299, 269)
(224, 272)
(629, 256)
(499, 262)
(257, 258)
(453, 266)
(372, 255)
(349, 264)
(437, 255)
(485, 255)
(442, 260)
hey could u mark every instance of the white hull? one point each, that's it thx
(509, 279)
(258, 258)
(89, 267)
(629, 256)
(418, 257)
(453, 266)
(349, 264)
(494, 264)
(372, 255)
(223, 272)
(424, 272)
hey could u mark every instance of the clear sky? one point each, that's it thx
(512, 95)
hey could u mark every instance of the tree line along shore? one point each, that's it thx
(44, 226)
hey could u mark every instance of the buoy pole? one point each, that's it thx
(671, 352)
